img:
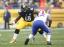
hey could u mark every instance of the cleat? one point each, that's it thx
(49, 43)
(13, 41)
(26, 42)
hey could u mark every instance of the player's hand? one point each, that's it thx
(12, 22)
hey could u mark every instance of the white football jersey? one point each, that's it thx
(42, 17)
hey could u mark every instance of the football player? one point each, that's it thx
(24, 19)
(40, 23)
(48, 23)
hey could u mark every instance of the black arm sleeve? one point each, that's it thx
(50, 22)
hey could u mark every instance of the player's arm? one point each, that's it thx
(16, 20)
(49, 21)
(21, 14)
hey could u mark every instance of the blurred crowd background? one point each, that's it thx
(57, 9)
(14, 4)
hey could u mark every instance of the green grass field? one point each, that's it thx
(57, 39)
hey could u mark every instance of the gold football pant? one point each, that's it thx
(22, 24)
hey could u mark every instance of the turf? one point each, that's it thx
(6, 35)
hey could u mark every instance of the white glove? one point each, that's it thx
(12, 22)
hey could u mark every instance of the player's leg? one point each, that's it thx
(48, 31)
(30, 24)
(15, 36)
(44, 33)
(34, 31)
(40, 31)
(49, 25)
(20, 25)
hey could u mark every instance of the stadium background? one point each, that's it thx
(57, 10)
(57, 13)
